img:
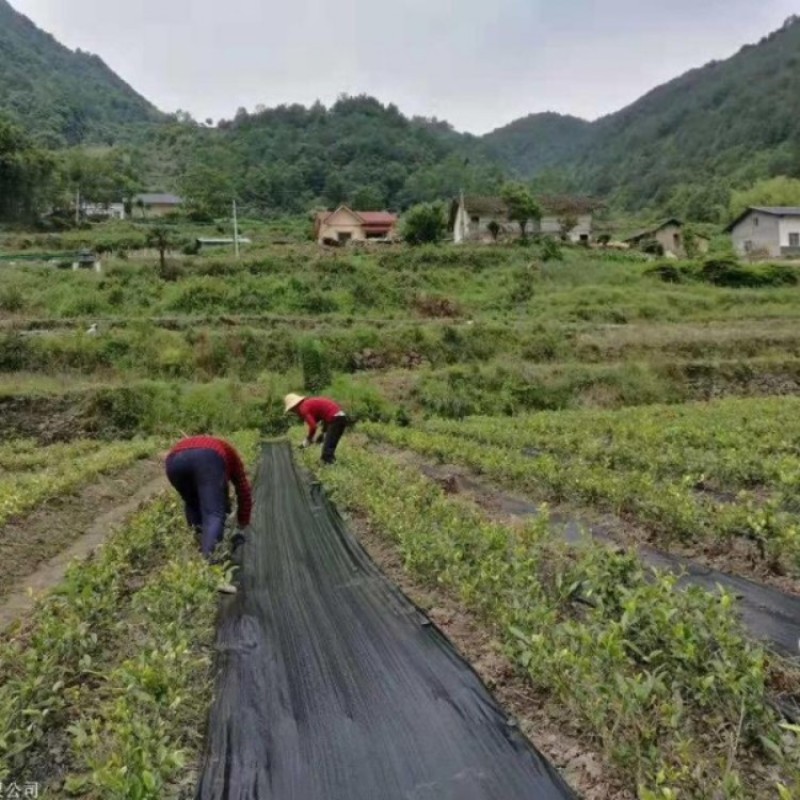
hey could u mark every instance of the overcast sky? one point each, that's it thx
(479, 64)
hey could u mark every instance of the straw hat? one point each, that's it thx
(291, 401)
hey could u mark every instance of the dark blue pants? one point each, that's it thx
(333, 433)
(199, 478)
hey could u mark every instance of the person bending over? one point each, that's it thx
(200, 469)
(319, 412)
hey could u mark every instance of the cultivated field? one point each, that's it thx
(652, 406)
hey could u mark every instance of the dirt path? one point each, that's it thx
(36, 551)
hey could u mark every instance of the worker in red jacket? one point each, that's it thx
(319, 411)
(200, 469)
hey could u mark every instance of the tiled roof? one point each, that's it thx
(377, 217)
(774, 211)
(158, 199)
(654, 229)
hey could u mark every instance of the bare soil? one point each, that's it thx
(36, 550)
(46, 419)
(552, 731)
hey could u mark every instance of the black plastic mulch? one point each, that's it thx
(333, 686)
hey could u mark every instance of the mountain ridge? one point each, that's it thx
(60, 96)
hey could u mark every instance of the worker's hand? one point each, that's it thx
(306, 443)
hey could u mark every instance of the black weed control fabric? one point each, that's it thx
(333, 686)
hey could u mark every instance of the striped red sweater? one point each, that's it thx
(234, 470)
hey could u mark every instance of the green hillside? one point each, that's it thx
(683, 145)
(290, 158)
(539, 142)
(60, 96)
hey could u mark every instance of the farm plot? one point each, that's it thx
(664, 682)
(106, 685)
(30, 474)
(706, 476)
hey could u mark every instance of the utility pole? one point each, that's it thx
(235, 230)
(77, 207)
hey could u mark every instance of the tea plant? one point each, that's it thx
(664, 682)
(61, 471)
(695, 473)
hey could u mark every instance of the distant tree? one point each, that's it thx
(566, 224)
(368, 198)
(424, 224)
(551, 251)
(207, 188)
(162, 239)
(780, 191)
(494, 229)
(335, 192)
(26, 176)
(522, 208)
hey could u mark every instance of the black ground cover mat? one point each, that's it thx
(332, 685)
(769, 615)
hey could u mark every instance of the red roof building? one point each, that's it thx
(345, 225)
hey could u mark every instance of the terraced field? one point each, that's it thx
(542, 450)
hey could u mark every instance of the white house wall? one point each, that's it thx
(461, 230)
(762, 231)
(788, 225)
(550, 226)
(465, 229)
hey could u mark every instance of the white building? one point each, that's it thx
(106, 210)
(476, 219)
(772, 231)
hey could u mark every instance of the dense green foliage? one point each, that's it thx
(26, 175)
(535, 144)
(291, 158)
(780, 191)
(424, 224)
(522, 208)
(682, 147)
(62, 97)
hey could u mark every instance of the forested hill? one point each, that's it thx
(539, 142)
(59, 96)
(686, 143)
(292, 158)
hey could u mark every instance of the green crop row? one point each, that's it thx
(729, 444)
(143, 727)
(663, 681)
(115, 662)
(45, 664)
(17, 455)
(671, 509)
(63, 469)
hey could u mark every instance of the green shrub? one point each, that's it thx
(551, 250)
(11, 299)
(424, 224)
(315, 365)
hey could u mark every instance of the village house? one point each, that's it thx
(771, 231)
(485, 219)
(345, 225)
(156, 204)
(669, 234)
(674, 241)
(103, 210)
